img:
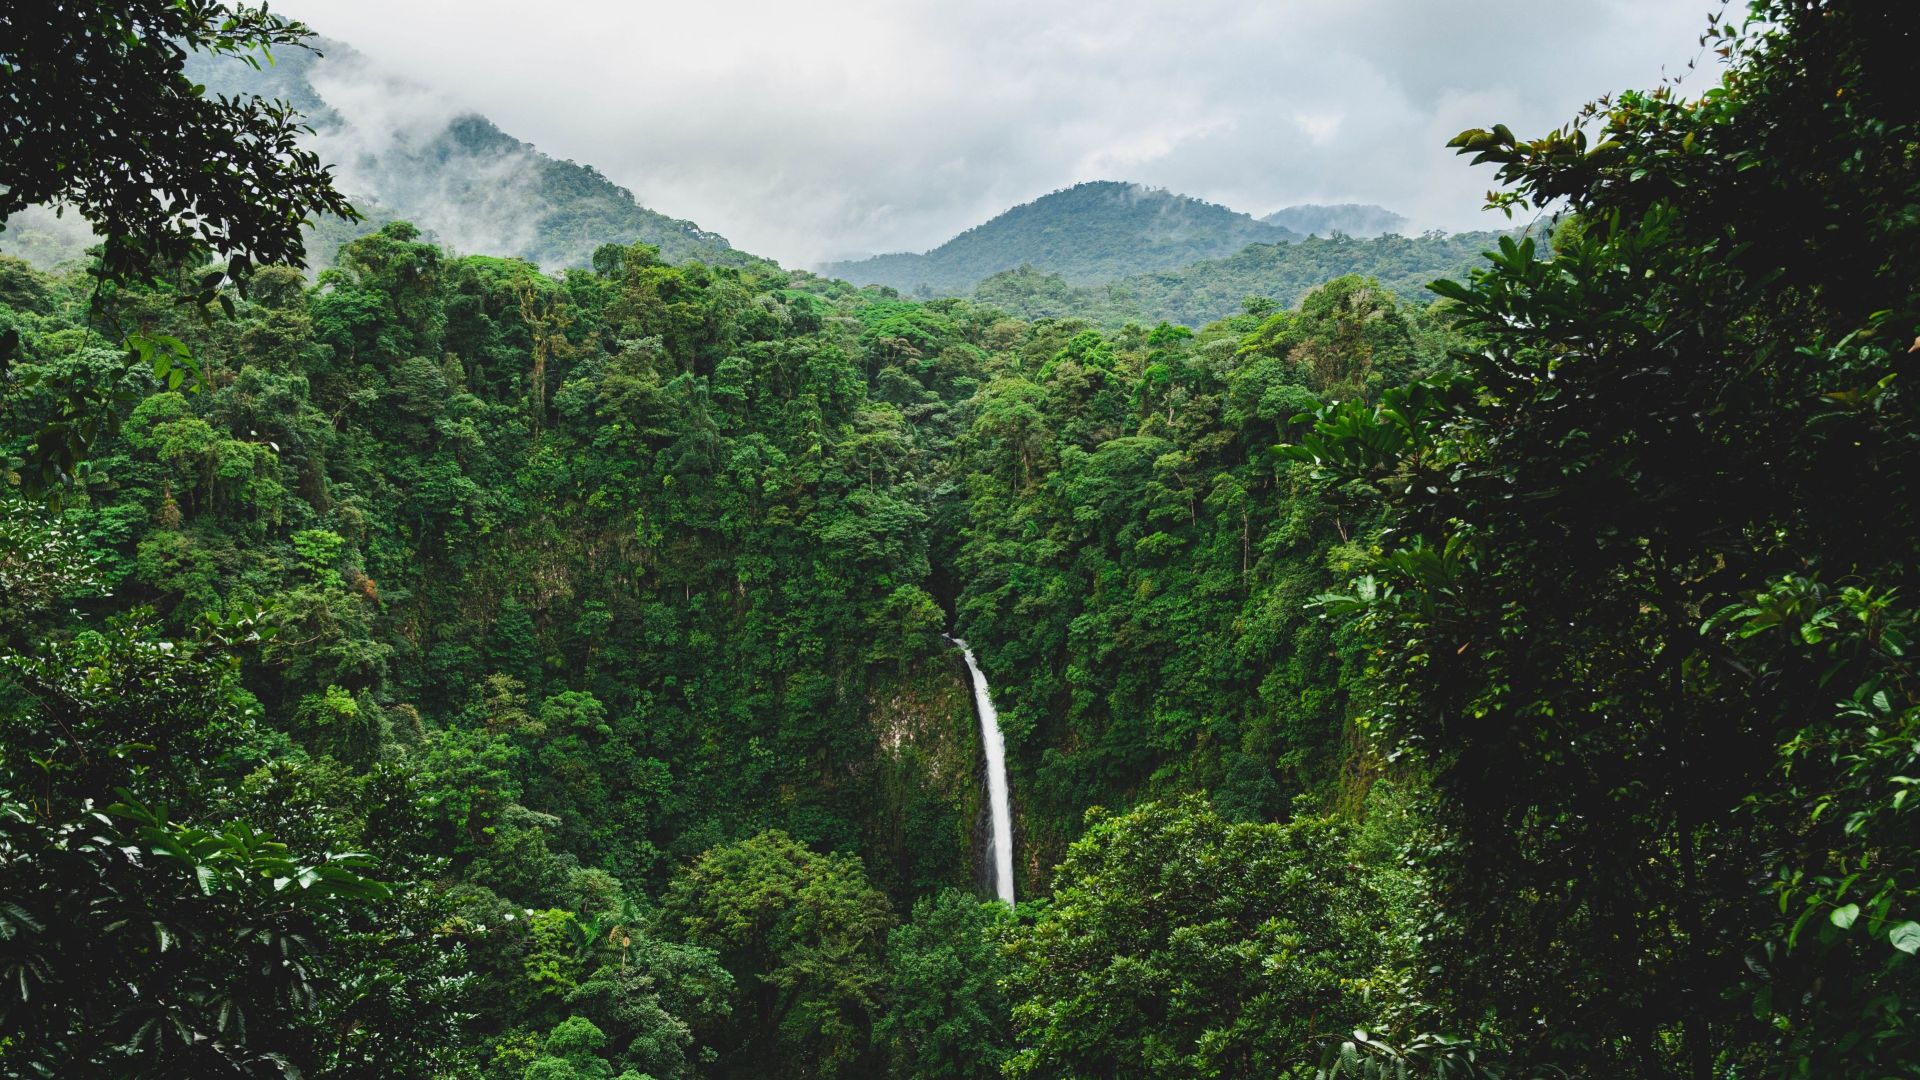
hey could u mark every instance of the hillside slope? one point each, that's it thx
(1213, 289)
(1349, 219)
(1091, 232)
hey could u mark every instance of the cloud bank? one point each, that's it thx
(390, 126)
(814, 131)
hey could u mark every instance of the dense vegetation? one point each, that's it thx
(1204, 292)
(98, 114)
(1646, 615)
(598, 604)
(1135, 556)
(1091, 232)
(449, 669)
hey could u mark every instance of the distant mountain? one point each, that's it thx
(1347, 219)
(1087, 233)
(401, 152)
(1213, 289)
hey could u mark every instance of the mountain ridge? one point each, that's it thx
(1359, 220)
(1095, 231)
(452, 171)
(1211, 289)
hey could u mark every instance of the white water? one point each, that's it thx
(998, 805)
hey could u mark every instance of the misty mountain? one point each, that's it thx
(1213, 289)
(1347, 219)
(407, 153)
(1091, 232)
(401, 151)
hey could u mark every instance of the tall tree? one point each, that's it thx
(1179, 944)
(801, 932)
(947, 1016)
(1645, 608)
(97, 114)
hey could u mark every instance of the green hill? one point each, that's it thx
(1213, 289)
(1350, 219)
(482, 191)
(1088, 233)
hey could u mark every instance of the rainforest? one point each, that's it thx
(1449, 656)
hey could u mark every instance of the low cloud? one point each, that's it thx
(47, 237)
(812, 132)
(386, 127)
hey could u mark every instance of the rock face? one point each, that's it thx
(929, 824)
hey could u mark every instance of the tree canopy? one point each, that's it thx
(482, 673)
(1643, 613)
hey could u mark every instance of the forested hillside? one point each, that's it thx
(577, 581)
(1346, 219)
(447, 666)
(1091, 232)
(1116, 253)
(1196, 295)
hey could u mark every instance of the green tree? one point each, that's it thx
(1642, 611)
(100, 116)
(662, 1004)
(571, 1052)
(1178, 944)
(229, 952)
(1350, 338)
(802, 934)
(947, 1017)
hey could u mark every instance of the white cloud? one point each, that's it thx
(387, 121)
(808, 131)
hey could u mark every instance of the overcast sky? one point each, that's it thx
(815, 130)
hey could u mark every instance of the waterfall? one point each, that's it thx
(995, 750)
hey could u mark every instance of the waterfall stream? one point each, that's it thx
(995, 750)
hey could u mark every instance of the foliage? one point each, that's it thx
(96, 113)
(573, 653)
(1179, 944)
(801, 933)
(230, 952)
(553, 665)
(40, 563)
(947, 1017)
(1642, 613)
(1201, 292)
(1137, 562)
(216, 942)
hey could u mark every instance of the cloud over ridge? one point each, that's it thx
(815, 132)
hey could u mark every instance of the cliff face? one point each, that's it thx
(928, 821)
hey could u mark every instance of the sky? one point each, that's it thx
(809, 130)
